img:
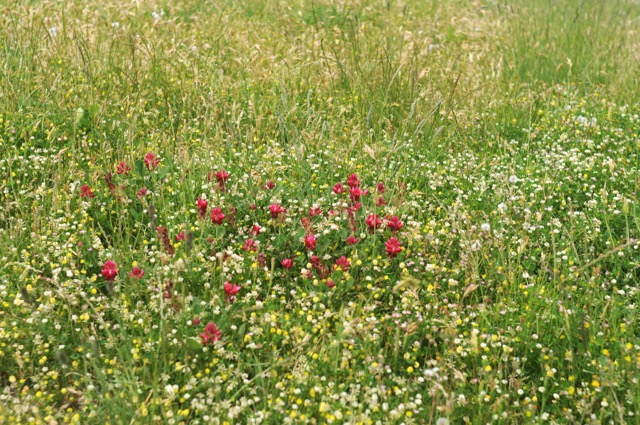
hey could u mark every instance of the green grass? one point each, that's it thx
(506, 135)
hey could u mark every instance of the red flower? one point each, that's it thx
(394, 223)
(250, 245)
(380, 187)
(276, 210)
(109, 270)
(202, 207)
(287, 263)
(142, 193)
(354, 209)
(373, 222)
(151, 161)
(393, 247)
(217, 216)
(255, 231)
(108, 178)
(343, 263)
(353, 181)
(231, 290)
(136, 272)
(355, 193)
(380, 202)
(180, 236)
(222, 177)
(163, 234)
(86, 192)
(313, 211)
(310, 242)
(270, 185)
(123, 168)
(167, 290)
(195, 321)
(211, 334)
(352, 240)
(330, 284)
(338, 189)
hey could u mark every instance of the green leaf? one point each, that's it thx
(197, 307)
(135, 214)
(163, 172)
(194, 344)
(138, 165)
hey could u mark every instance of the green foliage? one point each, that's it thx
(506, 136)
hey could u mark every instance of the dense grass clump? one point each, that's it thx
(319, 212)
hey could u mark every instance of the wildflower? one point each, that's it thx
(180, 236)
(355, 207)
(270, 185)
(276, 210)
(307, 225)
(211, 334)
(256, 229)
(380, 187)
(202, 207)
(222, 177)
(380, 202)
(393, 247)
(355, 193)
(109, 270)
(108, 178)
(394, 223)
(343, 263)
(352, 240)
(136, 272)
(142, 193)
(287, 263)
(166, 242)
(217, 217)
(167, 290)
(310, 242)
(322, 270)
(262, 260)
(151, 161)
(373, 222)
(353, 181)
(338, 188)
(313, 211)
(231, 290)
(330, 284)
(86, 192)
(123, 168)
(250, 245)
(195, 321)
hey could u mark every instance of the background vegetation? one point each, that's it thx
(506, 137)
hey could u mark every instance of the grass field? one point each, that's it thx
(319, 211)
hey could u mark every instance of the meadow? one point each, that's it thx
(319, 211)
